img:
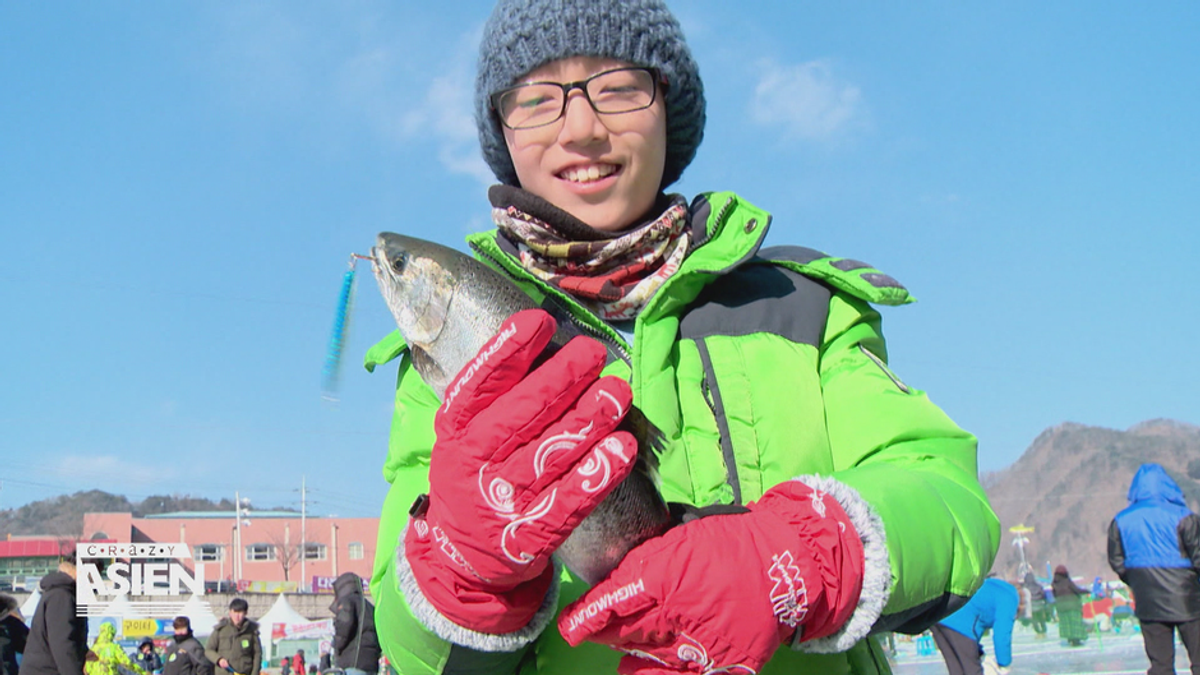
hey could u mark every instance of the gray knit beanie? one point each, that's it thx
(524, 34)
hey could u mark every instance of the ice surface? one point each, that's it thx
(1108, 653)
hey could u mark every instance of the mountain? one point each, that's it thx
(63, 515)
(1071, 482)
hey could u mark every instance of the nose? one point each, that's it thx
(581, 124)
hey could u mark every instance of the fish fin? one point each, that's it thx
(426, 365)
(651, 440)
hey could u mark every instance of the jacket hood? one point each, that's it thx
(348, 583)
(1151, 483)
(107, 633)
(57, 580)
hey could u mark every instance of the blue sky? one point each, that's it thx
(181, 185)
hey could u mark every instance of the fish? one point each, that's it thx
(447, 305)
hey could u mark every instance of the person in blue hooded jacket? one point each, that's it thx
(1154, 547)
(959, 635)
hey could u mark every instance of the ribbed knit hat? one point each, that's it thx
(524, 34)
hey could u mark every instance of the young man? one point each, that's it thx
(185, 656)
(234, 644)
(847, 499)
(1154, 547)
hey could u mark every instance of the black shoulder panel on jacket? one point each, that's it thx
(760, 298)
(467, 661)
(915, 620)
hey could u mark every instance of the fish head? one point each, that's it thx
(417, 283)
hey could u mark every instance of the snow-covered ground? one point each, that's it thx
(1107, 653)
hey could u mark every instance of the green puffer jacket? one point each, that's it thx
(707, 367)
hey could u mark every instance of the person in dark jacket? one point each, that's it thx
(354, 638)
(1037, 611)
(1154, 547)
(57, 643)
(147, 658)
(13, 635)
(1068, 604)
(185, 655)
(234, 644)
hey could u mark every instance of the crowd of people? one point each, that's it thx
(1153, 547)
(54, 642)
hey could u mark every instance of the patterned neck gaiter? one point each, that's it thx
(612, 275)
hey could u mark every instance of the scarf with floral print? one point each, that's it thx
(612, 274)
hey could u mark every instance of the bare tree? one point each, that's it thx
(66, 536)
(286, 554)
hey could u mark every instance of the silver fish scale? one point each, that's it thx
(477, 302)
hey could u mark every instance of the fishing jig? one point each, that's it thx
(330, 373)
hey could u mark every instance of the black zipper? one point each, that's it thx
(712, 396)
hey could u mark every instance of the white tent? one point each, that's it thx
(280, 612)
(31, 604)
(200, 614)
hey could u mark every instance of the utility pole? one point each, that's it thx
(237, 543)
(240, 508)
(303, 531)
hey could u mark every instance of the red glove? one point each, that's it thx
(504, 478)
(722, 593)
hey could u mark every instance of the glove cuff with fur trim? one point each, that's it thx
(877, 571)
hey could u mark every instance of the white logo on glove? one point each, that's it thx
(818, 502)
(599, 462)
(694, 652)
(468, 373)
(789, 596)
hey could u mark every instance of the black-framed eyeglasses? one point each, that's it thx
(612, 92)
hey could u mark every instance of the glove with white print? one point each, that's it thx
(722, 593)
(520, 460)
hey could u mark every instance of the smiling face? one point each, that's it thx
(603, 169)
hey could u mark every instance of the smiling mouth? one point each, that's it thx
(588, 174)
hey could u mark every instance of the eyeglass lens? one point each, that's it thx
(611, 92)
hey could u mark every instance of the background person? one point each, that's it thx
(13, 635)
(57, 642)
(185, 655)
(110, 657)
(1154, 547)
(354, 637)
(586, 111)
(960, 636)
(147, 657)
(1068, 605)
(1037, 613)
(234, 644)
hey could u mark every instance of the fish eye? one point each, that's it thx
(399, 263)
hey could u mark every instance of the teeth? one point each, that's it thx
(589, 174)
